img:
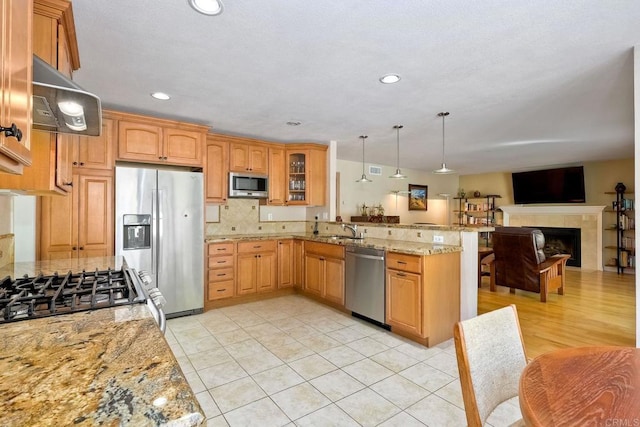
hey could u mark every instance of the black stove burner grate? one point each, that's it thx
(41, 296)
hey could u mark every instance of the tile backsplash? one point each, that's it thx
(6, 249)
(242, 216)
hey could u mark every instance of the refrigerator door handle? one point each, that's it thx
(160, 218)
(154, 229)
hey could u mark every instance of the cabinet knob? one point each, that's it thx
(75, 163)
(82, 248)
(160, 157)
(81, 163)
(12, 131)
(73, 248)
(70, 184)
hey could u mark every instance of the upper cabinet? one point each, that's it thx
(150, 140)
(54, 41)
(248, 156)
(306, 166)
(216, 170)
(16, 23)
(95, 152)
(277, 175)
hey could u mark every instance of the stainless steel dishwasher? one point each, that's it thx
(365, 282)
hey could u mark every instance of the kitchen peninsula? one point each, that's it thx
(107, 366)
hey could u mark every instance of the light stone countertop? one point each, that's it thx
(110, 366)
(402, 246)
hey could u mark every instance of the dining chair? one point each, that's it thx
(491, 357)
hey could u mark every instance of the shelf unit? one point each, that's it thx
(482, 213)
(624, 227)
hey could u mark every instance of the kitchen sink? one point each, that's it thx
(342, 237)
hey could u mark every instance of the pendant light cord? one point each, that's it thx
(443, 115)
(363, 138)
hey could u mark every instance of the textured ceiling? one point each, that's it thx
(527, 83)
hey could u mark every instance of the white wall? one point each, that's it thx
(6, 209)
(353, 194)
(24, 228)
(636, 73)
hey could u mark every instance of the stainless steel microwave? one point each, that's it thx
(248, 185)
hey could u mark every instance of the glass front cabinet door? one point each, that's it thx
(297, 178)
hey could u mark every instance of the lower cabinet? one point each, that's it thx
(324, 271)
(220, 271)
(285, 263)
(256, 267)
(79, 225)
(423, 295)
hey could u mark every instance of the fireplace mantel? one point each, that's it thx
(587, 218)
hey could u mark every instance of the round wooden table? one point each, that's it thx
(586, 386)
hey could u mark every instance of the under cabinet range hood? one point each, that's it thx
(60, 105)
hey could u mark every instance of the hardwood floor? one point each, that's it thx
(597, 308)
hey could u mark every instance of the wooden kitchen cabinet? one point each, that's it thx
(298, 263)
(306, 174)
(152, 140)
(285, 263)
(256, 267)
(95, 152)
(53, 41)
(248, 156)
(220, 273)
(277, 175)
(79, 225)
(324, 271)
(423, 295)
(216, 170)
(16, 28)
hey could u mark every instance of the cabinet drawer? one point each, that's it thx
(404, 262)
(220, 274)
(220, 290)
(257, 246)
(325, 249)
(221, 261)
(220, 248)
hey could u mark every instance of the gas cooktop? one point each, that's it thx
(42, 296)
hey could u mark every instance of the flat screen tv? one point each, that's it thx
(562, 185)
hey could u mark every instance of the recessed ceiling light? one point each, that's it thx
(390, 78)
(294, 123)
(161, 96)
(207, 7)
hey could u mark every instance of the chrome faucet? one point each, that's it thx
(353, 228)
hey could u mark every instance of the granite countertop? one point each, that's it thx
(402, 246)
(110, 366)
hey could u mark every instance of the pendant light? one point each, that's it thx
(364, 177)
(398, 174)
(444, 169)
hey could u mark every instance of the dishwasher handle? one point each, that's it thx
(357, 255)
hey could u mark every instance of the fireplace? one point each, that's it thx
(560, 240)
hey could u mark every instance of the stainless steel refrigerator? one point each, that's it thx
(160, 229)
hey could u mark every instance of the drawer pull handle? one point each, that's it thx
(221, 274)
(222, 262)
(221, 249)
(257, 247)
(401, 262)
(221, 290)
(401, 275)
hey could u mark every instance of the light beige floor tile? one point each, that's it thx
(176, 349)
(327, 326)
(262, 330)
(207, 404)
(201, 344)
(394, 360)
(389, 339)
(402, 420)
(169, 336)
(367, 346)
(236, 394)
(445, 363)
(258, 362)
(277, 339)
(329, 416)
(300, 400)
(418, 351)
(220, 327)
(452, 393)
(277, 379)
(293, 351)
(244, 348)
(312, 366)
(195, 382)
(206, 359)
(367, 407)
(364, 328)
(400, 391)
(263, 413)
(426, 376)
(346, 335)
(342, 356)
(435, 411)
(185, 364)
(367, 371)
(222, 373)
(287, 324)
(193, 334)
(181, 324)
(319, 342)
(232, 337)
(337, 385)
(249, 320)
(218, 421)
(302, 332)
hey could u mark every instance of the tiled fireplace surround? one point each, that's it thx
(587, 218)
